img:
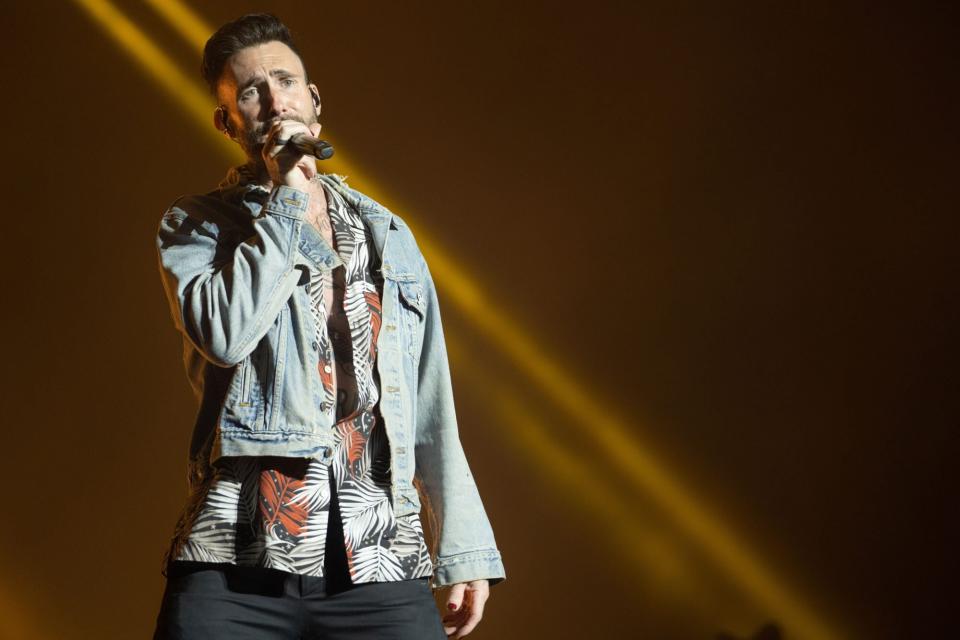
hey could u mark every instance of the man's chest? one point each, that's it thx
(334, 284)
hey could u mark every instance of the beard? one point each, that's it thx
(252, 139)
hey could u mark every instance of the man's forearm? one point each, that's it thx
(225, 307)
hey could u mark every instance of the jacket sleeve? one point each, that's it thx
(224, 302)
(466, 548)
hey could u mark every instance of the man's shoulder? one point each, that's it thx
(361, 201)
(373, 210)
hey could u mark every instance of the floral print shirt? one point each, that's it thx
(273, 512)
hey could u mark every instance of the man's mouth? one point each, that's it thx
(264, 128)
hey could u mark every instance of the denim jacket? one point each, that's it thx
(234, 264)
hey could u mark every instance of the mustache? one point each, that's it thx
(262, 128)
(253, 141)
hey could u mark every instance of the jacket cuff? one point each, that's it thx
(287, 201)
(464, 567)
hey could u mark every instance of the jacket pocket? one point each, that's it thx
(242, 408)
(413, 314)
(411, 294)
(245, 382)
(274, 393)
(251, 402)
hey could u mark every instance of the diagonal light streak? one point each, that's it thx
(621, 446)
(647, 549)
(157, 64)
(17, 618)
(182, 18)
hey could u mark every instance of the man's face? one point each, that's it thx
(262, 83)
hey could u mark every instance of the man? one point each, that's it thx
(313, 342)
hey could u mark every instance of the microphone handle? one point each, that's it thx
(321, 149)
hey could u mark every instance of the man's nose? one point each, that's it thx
(275, 103)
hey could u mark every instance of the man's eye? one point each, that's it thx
(249, 93)
(288, 82)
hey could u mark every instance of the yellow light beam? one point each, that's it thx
(699, 527)
(613, 434)
(634, 460)
(707, 531)
(158, 65)
(191, 26)
(18, 619)
(657, 556)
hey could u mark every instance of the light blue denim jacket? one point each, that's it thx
(234, 264)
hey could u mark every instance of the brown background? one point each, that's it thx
(733, 223)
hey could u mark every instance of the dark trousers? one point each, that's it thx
(209, 601)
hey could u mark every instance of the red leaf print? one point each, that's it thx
(354, 441)
(373, 304)
(277, 492)
(325, 378)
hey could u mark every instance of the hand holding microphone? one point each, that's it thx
(320, 149)
(290, 151)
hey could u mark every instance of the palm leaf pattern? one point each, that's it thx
(274, 512)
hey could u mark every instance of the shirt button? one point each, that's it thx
(314, 345)
(327, 368)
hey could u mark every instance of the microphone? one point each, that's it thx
(321, 149)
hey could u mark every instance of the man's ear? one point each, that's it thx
(315, 93)
(222, 121)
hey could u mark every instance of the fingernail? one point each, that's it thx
(452, 606)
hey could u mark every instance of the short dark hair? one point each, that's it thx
(246, 31)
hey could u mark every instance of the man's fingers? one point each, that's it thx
(271, 144)
(280, 134)
(477, 600)
(308, 164)
(281, 138)
(472, 621)
(290, 127)
(285, 163)
(457, 617)
(459, 624)
(455, 597)
(469, 612)
(453, 622)
(450, 626)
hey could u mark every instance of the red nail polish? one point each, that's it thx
(452, 606)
